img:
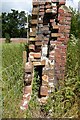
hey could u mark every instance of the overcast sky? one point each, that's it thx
(26, 5)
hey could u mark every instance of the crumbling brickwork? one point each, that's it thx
(48, 39)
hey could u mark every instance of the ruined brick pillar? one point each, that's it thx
(49, 34)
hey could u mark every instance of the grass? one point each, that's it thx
(63, 102)
(12, 79)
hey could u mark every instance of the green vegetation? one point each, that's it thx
(12, 76)
(7, 38)
(13, 24)
(61, 103)
(75, 23)
(65, 101)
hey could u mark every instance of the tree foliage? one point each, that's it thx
(14, 24)
(75, 23)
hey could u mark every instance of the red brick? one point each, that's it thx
(34, 21)
(41, 10)
(28, 67)
(32, 39)
(27, 89)
(54, 1)
(41, 6)
(55, 27)
(66, 31)
(35, 11)
(31, 55)
(42, 63)
(61, 2)
(49, 11)
(44, 80)
(46, 39)
(44, 91)
(48, 6)
(68, 18)
(51, 58)
(55, 34)
(52, 20)
(61, 18)
(58, 43)
(41, 2)
(41, 13)
(45, 28)
(52, 53)
(38, 43)
(35, 3)
(37, 55)
(67, 23)
(67, 35)
(68, 14)
(45, 42)
(31, 47)
(61, 10)
(61, 39)
(40, 21)
(68, 27)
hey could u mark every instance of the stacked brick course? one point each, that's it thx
(48, 42)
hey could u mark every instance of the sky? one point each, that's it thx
(26, 5)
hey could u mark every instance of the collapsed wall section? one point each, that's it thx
(49, 34)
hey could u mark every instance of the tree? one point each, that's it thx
(14, 24)
(75, 23)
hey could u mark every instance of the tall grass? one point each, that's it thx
(12, 80)
(64, 102)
